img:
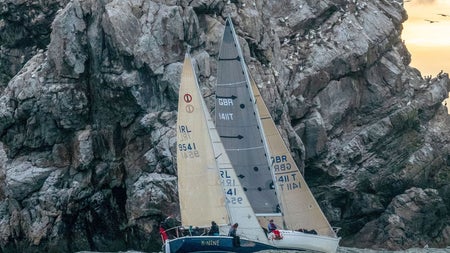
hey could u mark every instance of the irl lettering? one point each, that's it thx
(227, 181)
(184, 129)
(184, 132)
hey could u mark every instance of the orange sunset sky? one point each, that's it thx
(427, 35)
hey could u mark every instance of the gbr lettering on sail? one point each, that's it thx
(225, 102)
(286, 178)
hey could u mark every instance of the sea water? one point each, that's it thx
(340, 250)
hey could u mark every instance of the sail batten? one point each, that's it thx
(239, 149)
(231, 84)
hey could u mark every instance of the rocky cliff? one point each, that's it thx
(88, 106)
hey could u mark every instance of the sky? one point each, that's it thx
(427, 35)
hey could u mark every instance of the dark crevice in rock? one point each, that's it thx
(208, 9)
(316, 21)
(120, 196)
(257, 53)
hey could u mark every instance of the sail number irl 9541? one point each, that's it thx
(186, 147)
(229, 184)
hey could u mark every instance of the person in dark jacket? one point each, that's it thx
(233, 230)
(232, 233)
(214, 230)
(274, 229)
(271, 226)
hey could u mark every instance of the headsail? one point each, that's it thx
(202, 163)
(199, 186)
(300, 208)
(241, 137)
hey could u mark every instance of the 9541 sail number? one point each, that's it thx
(188, 150)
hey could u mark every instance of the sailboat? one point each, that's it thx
(269, 176)
(208, 187)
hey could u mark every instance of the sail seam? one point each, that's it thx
(237, 58)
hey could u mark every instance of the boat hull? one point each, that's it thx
(295, 240)
(213, 244)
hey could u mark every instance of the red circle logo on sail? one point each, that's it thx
(187, 98)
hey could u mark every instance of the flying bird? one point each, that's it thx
(443, 15)
(431, 21)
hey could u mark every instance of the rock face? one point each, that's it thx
(88, 107)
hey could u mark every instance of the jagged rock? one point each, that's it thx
(337, 99)
(88, 109)
(25, 29)
(411, 219)
(314, 135)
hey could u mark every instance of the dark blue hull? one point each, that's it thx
(213, 244)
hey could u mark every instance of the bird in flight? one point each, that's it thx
(443, 15)
(431, 21)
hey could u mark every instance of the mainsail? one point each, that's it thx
(238, 205)
(236, 122)
(199, 185)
